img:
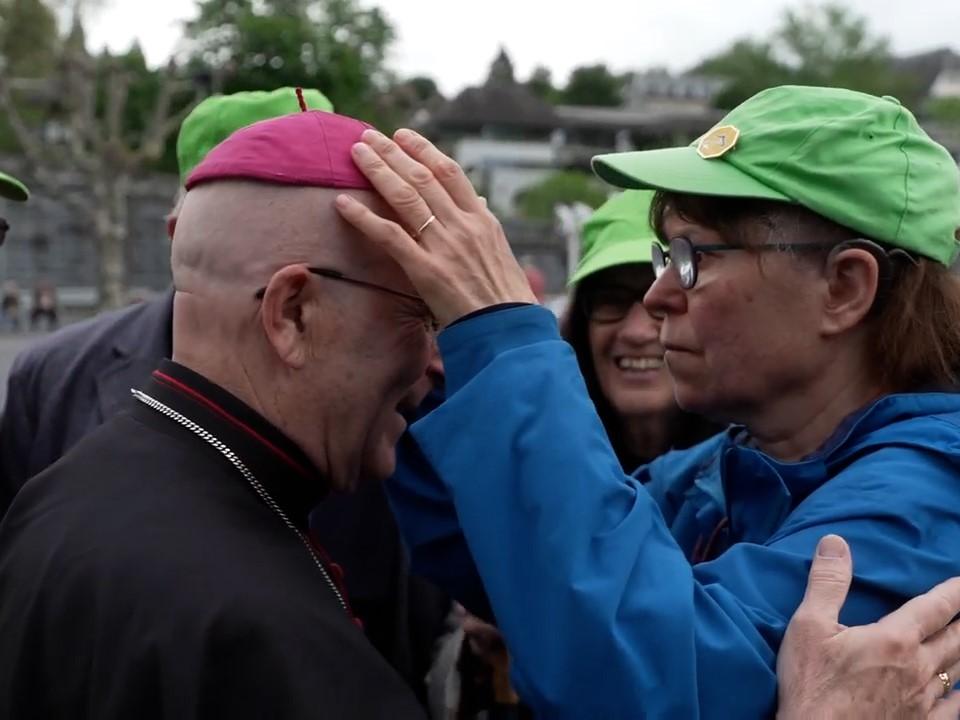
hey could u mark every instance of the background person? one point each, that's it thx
(617, 341)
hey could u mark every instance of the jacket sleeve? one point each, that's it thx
(601, 610)
(18, 428)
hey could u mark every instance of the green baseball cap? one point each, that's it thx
(859, 160)
(617, 233)
(13, 189)
(216, 118)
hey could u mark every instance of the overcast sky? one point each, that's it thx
(454, 41)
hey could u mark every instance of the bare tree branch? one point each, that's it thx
(80, 95)
(118, 87)
(38, 154)
(152, 147)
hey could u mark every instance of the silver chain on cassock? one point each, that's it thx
(234, 460)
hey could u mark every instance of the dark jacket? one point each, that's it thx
(71, 381)
(144, 575)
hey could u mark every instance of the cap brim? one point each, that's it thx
(13, 189)
(680, 170)
(621, 253)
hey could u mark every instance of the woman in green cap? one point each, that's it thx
(617, 342)
(11, 189)
(804, 285)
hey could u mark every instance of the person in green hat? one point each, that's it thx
(617, 341)
(11, 189)
(805, 296)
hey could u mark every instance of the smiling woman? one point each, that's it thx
(617, 341)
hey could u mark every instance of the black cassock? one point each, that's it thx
(162, 569)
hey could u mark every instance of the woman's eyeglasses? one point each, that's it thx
(429, 321)
(610, 304)
(684, 255)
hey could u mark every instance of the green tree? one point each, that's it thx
(540, 84)
(103, 120)
(565, 186)
(593, 85)
(749, 66)
(28, 51)
(28, 38)
(818, 45)
(945, 110)
(332, 45)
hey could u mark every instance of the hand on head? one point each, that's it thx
(460, 261)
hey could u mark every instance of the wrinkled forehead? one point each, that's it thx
(285, 224)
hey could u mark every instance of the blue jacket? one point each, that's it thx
(591, 574)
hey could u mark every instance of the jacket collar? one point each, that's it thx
(157, 321)
(137, 348)
(280, 466)
(760, 492)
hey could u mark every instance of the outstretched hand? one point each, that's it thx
(444, 237)
(889, 669)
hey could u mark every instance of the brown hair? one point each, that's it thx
(686, 429)
(914, 328)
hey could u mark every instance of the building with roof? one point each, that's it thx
(508, 139)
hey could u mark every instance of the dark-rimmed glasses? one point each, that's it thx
(683, 255)
(611, 303)
(429, 321)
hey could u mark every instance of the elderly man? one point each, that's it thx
(163, 568)
(70, 382)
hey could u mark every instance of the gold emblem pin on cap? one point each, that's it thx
(718, 142)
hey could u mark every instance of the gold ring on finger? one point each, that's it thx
(426, 224)
(945, 681)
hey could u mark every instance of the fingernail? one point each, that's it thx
(371, 134)
(343, 200)
(832, 546)
(403, 134)
(361, 149)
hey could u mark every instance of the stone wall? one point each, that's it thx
(48, 242)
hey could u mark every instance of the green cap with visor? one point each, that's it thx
(13, 189)
(859, 160)
(617, 233)
(216, 118)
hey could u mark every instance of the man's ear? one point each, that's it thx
(853, 280)
(282, 314)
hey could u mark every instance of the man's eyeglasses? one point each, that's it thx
(610, 304)
(4, 227)
(683, 255)
(429, 321)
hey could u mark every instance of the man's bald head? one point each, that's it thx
(236, 234)
(329, 358)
